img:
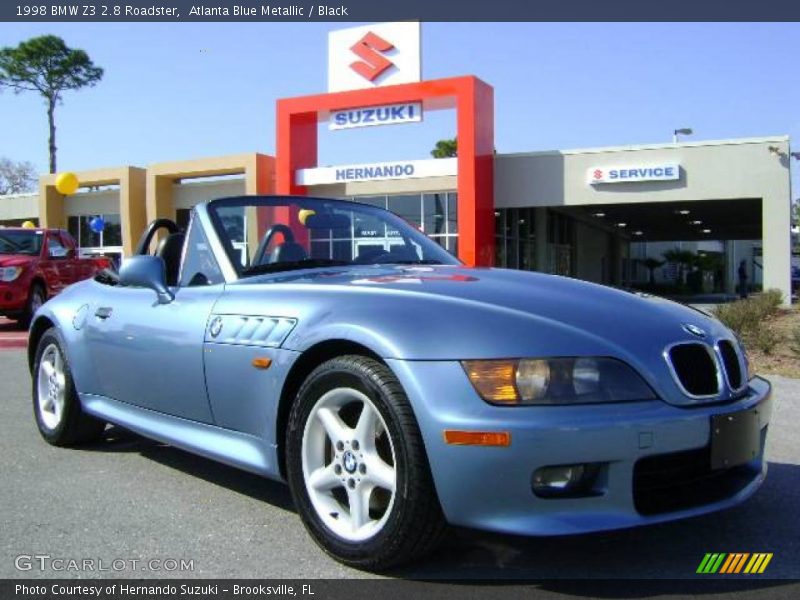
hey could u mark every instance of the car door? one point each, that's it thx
(81, 267)
(150, 354)
(59, 268)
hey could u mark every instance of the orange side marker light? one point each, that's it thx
(477, 438)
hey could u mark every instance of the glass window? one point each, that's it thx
(434, 213)
(234, 226)
(342, 250)
(112, 232)
(66, 243)
(367, 226)
(54, 246)
(20, 242)
(322, 233)
(452, 212)
(379, 201)
(199, 265)
(515, 238)
(74, 228)
(407, 207)
(89, 239)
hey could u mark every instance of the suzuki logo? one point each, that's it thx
(598, 174)
(370, 49)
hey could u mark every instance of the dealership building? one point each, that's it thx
(594, 214)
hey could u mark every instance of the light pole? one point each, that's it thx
(681, 131)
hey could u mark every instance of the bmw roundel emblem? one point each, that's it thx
(694, 330)
(216, 327)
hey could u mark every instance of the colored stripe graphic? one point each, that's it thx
(758, 563)
(733, 563)
(711, 563)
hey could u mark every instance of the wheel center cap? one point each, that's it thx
(349, 462)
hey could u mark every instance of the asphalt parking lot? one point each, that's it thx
(130, 498)
(12, 335)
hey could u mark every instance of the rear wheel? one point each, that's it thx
(56, 405)
(357, 467)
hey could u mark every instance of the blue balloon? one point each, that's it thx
(97, 224)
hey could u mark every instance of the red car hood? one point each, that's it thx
(15, 260)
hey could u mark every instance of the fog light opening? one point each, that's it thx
(566, 481)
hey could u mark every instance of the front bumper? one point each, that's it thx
(13, 298)
(489, 488)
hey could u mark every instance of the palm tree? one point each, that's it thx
(445, 149)
(684, 259)
(651, 264)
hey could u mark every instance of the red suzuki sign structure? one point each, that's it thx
(473, 101)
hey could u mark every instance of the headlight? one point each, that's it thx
(556, 381)
(9, 273)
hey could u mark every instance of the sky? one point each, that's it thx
(189, 90)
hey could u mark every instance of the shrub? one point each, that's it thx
(750, 319)
(794, 341)
(742, 316)
(770, 301)
(765, 338)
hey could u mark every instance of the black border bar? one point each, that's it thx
(398, 10)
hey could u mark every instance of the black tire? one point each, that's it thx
(415, 523)
(36, 297)
(74, 426)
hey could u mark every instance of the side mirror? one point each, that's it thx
(146, 272)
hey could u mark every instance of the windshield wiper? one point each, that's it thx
(308, 263)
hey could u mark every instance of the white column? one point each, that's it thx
(731, 266)
(776, 240)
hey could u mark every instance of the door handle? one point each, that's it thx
(103, 312)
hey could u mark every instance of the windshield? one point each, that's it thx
(264, 234)
(20, 242)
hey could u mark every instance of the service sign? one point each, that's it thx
(392, 114)
(634, 173)
(408, 169)
(373, 55)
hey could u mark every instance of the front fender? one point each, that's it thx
(68, 312)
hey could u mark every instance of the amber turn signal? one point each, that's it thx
(261, 362)
(493, 379)
(477, 438)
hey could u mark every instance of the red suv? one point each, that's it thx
(36, 264)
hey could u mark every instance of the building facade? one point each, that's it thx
(596, 214)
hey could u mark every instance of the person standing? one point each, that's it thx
(743, 279)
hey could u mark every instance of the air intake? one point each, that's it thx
(730, 360)
(695, 369)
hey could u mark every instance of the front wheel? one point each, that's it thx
(36, 297)
(357, 466)
(56, 405)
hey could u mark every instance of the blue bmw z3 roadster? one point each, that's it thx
(331, 345)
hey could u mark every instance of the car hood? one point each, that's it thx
(15, 260)
(454, 312)
(603, 310)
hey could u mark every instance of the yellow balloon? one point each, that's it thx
(303, 214)
(67, 183)
(29, 225)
